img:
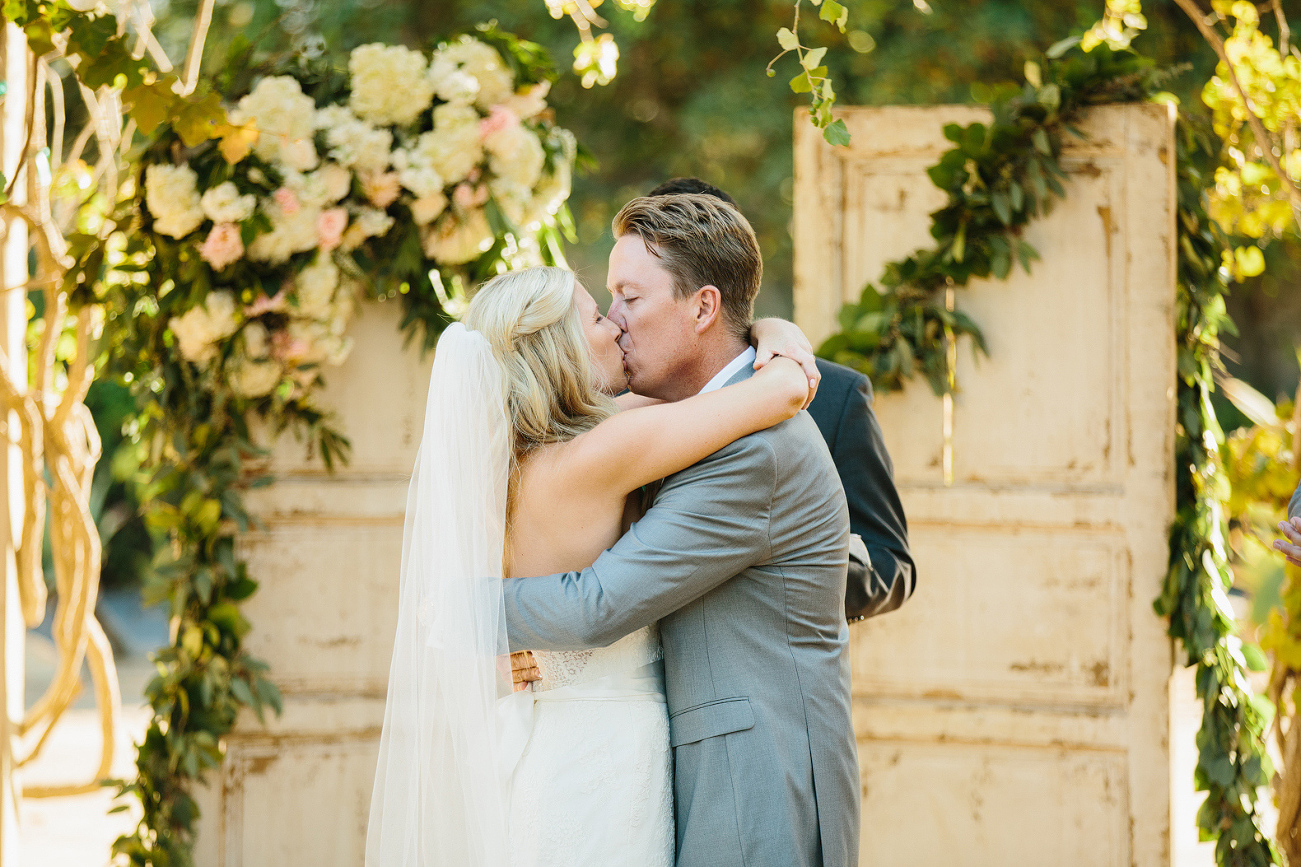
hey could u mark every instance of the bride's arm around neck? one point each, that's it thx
(652, 440)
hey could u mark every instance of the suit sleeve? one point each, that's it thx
(709, 523)
(1294, 507)
(875, 511)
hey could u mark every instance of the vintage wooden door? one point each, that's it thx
(1018, 708)
(298, 791)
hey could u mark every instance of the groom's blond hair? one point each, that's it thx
(702, 241)
(552, 390)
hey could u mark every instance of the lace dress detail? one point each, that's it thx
(594, 786)
(566, 667)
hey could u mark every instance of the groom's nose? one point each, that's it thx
(615, 315)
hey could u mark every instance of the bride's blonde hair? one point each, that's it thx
(532, 323)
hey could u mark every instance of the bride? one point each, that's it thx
(528, 466)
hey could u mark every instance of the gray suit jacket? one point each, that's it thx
(742, 559)
(1294, 507)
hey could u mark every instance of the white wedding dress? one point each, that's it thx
(593, 786)
(576, 773)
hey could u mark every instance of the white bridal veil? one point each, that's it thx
(440, 797)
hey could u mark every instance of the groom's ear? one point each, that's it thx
(707, 307)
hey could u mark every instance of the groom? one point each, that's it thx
(741, 559)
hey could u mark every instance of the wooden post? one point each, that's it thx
(13, 355)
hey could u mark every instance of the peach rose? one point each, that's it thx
(330, 226)
(287, 199)
(381, 189)
(222, 246)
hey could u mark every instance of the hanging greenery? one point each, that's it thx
(1232, 763)
(999, 177)
(228, 276)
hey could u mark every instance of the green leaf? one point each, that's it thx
(228, 617)
(149, 107)
(958, 248)
(1062, 46)
(836, 133)
(1256, 660)
(1017, 194)
(239, 689)
(813, 57)
(800, 83)
(1041, 143)
(787, 40)
(1002, 206)
(835, 13)
(198, 120)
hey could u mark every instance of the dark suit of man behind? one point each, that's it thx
(842, 410)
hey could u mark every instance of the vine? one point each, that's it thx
(596, 58)
(813, 78)
(228, 275)
(998, 178)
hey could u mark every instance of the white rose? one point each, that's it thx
(455, 85)
(284, 118)
(316, 285)
(374, 222)
(337, 180)
(299, 154)
(353, 142)
(531, 102)
(427, 208)
(343, 306)
(172, 196)
(516, 155)
(422, 182)
(200, 328)
(224, 204)
(448, 117)
(256, 340)
(290, 233)
(192, 336)
(252, 379)
(469, 55)
(221, 311)
(453, 153)
(453, 241)
(389, 84)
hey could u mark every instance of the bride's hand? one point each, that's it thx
(773, 337)
(524, 670)
(784, 379)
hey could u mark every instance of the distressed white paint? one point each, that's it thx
(297, 792)
(1018, 708)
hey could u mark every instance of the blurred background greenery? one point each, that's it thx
(691, 98)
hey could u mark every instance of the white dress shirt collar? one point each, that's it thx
(720, 379)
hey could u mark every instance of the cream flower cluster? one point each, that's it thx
(431, 141)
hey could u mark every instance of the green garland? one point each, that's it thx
(1232, 763)
(192, 423)
(999, 178)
